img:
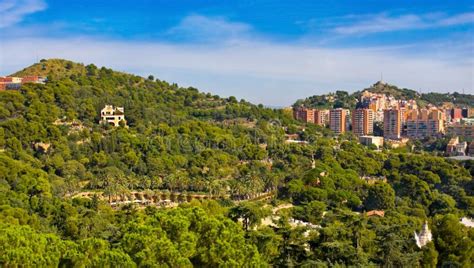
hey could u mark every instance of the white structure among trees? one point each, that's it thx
(112, 115)
(423, 237)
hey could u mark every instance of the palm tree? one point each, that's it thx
(170, 181)
(111, 190)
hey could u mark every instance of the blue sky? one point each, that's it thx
(270, 52)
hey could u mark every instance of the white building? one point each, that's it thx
(112, 115)
(369, 140)
(424, 237)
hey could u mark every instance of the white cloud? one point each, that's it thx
(281, 73)
(13, 11)
(238, 62)
(369, 24)
(198, 27)
(463, 18)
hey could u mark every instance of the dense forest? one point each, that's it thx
(180, 140)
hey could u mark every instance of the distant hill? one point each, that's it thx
(98, 86)
(392, 90)
(345, 100)
(58, 67)
(456, 99)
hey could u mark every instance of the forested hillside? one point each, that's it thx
(180, 141)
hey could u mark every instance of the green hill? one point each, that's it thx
(200, 180)
(58, 67)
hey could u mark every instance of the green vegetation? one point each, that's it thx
(182, 140)
(458, 99)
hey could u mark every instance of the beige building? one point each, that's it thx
(321, 117)
(425, 123)
(112, 115)
(451, 147)
(456, 148)
(369, 140)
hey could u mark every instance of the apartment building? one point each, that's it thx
(321, 117)
(464, 129)
(363, 122)
(13, 83)
(392, 123)
(338, 120)
(304, 114)
(425, 123)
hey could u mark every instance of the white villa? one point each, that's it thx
(112, 115)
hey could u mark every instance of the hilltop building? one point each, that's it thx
(13, 83)
(112, 115)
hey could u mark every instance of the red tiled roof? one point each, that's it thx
(380, 213)
(30, 78)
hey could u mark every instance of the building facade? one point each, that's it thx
(425, 123)
(304, 114)
(14, 83)
(456, 114)
(363, 122)
(464, 129)
(392, 124)
(338, 120)
(321, 117)
(371, 140)
(112, 115)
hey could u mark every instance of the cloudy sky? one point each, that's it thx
(270, 52)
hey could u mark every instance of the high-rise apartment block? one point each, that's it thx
(392, 124)
(338, 120)
(425, 123)
(363, 122)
